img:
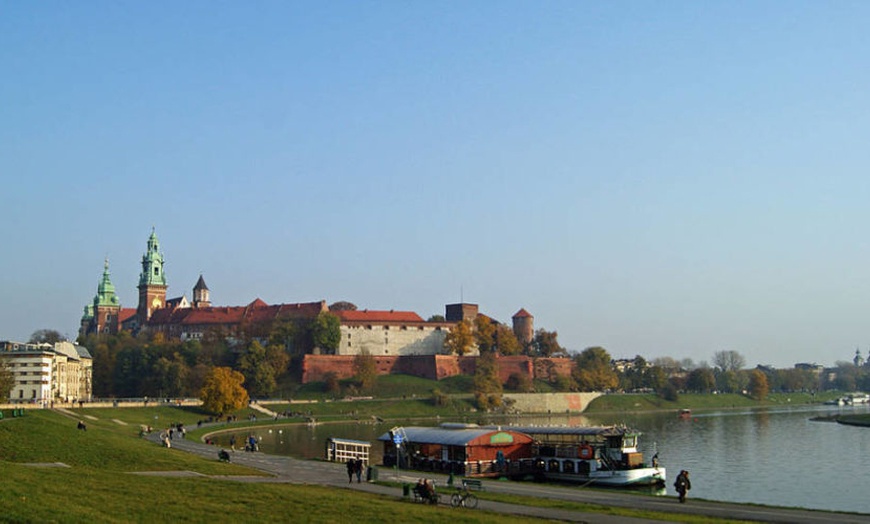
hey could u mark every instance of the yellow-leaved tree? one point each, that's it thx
(222, 391)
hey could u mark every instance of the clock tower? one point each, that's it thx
(152, 281)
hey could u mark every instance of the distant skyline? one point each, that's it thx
(669, 179)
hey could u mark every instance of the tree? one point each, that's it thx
(484, 333)
(758, 388)
(331, 383)
(701, 380)
(546, 344)
(222, 391)
(46, 336)
(729, 360)
(593, 372)
(7, 380)
(436, 318)
(258, 370)
(365, 370)
(342, 305)
(519, 382)
(506, 341)
(326, 332)
(460, 339)
(487, 387)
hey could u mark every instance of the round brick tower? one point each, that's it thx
(524, 326)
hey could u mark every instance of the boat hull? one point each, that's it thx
(616, 478)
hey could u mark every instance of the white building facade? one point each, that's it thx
(45, 373)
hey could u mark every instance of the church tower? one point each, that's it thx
(106, 306)
(200, 294)
(152, 281)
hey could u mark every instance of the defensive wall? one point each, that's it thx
(434, 367)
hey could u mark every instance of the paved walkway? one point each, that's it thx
(290, 470)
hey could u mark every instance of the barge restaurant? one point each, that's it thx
(473, 452)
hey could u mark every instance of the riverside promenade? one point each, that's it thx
(296, 471)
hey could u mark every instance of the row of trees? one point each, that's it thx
(149, 365)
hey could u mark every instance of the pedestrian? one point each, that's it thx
(683, 485)
(357, 468)
(233, 443)
(351, 466)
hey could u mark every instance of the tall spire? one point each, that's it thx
(152, 263)
(106, 290)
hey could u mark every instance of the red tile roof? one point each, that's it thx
(256, 311)
(522, 313)
(126, 313)
(378, 317)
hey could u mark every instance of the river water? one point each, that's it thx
(775, 456)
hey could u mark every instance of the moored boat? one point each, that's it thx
(602, 455)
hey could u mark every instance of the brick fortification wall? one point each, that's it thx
(435, 367)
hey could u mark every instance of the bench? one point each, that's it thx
(472, 484)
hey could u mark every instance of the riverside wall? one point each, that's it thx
(551, 402)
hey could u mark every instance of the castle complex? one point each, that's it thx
(379, 333)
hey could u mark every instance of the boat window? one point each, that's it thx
(568, 466)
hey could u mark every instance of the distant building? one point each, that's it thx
(45, 372)
(398, 333)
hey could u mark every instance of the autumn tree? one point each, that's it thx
(460, 339)
(593, 372)
(222, 391)
(46, 336)
(486, 384)
(484, 333)
(758, 385)
(546, 344)
(326, 332)
(7, 380)
(506, 341)
(365, 370)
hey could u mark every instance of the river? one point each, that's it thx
(775, 456)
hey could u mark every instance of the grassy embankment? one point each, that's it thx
(99, 484)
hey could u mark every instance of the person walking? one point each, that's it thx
(357, 468)
(351, 466)
(683, 484)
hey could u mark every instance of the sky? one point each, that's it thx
(665, 179)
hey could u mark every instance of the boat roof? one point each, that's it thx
(444, 436)
(350, 441)
(604, 431)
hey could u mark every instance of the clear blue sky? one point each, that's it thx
(658, 178)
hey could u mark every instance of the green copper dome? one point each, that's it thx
(152, 264)
(106, 290)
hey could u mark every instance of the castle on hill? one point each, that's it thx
(380, 333)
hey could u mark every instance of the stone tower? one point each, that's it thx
(152, 281)
(106, 307)
(524, 326)
(200, 294)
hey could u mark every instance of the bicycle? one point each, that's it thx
(463, 498)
